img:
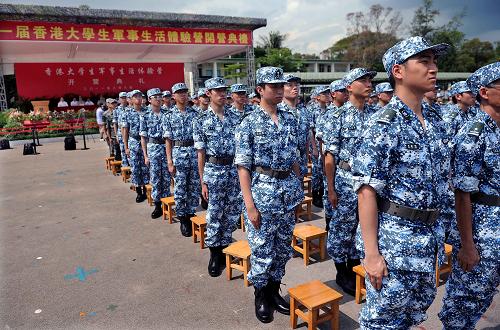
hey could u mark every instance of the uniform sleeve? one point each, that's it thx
(115, 116)
(167, 128)
(331, 136)
(124, 122)
(466, 162)
(198, 136)
(244, 144)
(371, 164)
(143, 126)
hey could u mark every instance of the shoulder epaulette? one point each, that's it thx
(476, 129)
(386, 116)
(337, 113)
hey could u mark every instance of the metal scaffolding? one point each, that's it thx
(251, 68)
(3, 92)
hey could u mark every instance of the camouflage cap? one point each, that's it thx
(459, 88)
(122, 94)
(214, 83)
(251, 95)
(153, 91)
(321, 89)
(110, 100)
(290, 77)
(337, 85)
(166, 94)
(236, 88)
(135, 92)
(406, 48)
(179, 87)
(383, 87)
(202, 92)
(357, 73)
(269, 75)
(483, 76)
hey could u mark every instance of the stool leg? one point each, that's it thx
(170, 215)
(193, 229)
(163, 211)
(437, 275)
(245, 271)
(305, 244)
(293, 315)
(309, 211)
(322, 247)
(357, 295)
(313, 319)
(334, 321)
(228, 267)
(202, 236)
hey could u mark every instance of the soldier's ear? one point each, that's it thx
(397, 71)
(259, 90)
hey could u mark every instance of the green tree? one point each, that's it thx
(237, 70)
(282, 58)
(274, 40)
(474, 54)
(423, 21)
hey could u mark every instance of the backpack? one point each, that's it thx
(4, 144)
(29, 149)
(69, 142)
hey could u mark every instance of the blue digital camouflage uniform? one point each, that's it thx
(409, 166)
(118, 114)
(259, 142)
(317, 163)
(341, 139)
(305, 124)
(178, 126)
(152, 129)
(216, 137)
(139, 171)
(476, 169)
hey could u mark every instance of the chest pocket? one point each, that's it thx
(412, 155)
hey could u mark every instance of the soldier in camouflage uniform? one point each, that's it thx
(213, 133)
(385, 92)
(341, 137)
(476, 177)
(118, 114)
(268, 168)
(463, 104)
(400, 173)
(181, 157)
(167, 100)
(132, 140)
(203, 99)
(153, 148)
(240, 100)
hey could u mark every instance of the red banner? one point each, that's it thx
(49, 31)
(45, 80)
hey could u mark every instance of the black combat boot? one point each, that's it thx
(185, 226)
(279, 304)
(342, 279)
(158, 212)
(139, 198)
(263, 310)
(214, 267)
(317, 199)
(327, 223)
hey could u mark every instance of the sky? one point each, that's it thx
(311, 26)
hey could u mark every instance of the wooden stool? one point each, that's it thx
(309, 169)
(446, 268)
(126, 172)
(116, 166)
(167, 204)
(360, 283)
(307, 202)
(199, 226)
(308, 299)
(238, 257)
(307, 234)
(149, 188)
(108, 161)
(307, 185)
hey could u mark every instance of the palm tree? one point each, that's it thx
(274, 40)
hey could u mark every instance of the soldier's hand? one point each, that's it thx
(254, 217)
(376, 269)
(204, 191)
(171, 169)
(332, 197)
(127, 151)
(468, 257)
(146, 160)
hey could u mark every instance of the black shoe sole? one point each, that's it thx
(155, 216)
(265, 321)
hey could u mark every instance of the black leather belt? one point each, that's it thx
(345, 165)
(183, 143)
(427, 217)
(483, 199)
(278, 174)
(156, 140)
(228, 160)
(136, 137)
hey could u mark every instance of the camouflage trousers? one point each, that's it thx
(341, 241)
(158, 171)
(401, 303)
(271, 247)
(140, 172)
(327, 206)
(125, 161)
(224, 203)
(317, 173)
(186, 187)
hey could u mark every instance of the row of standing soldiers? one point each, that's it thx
(400, 178)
